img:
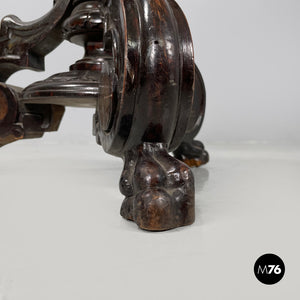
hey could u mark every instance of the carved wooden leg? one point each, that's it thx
(192, 153)
(159, 189)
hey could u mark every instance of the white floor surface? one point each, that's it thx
(62, 238)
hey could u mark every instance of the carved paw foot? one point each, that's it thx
(192, 153)
(159, 189)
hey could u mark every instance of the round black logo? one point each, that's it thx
(269, 269)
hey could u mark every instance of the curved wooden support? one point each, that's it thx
(191, 151)
(23, 45)
(153, 64)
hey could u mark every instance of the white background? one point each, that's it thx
(61, 236)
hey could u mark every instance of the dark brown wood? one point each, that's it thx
(10, 131)
(23, 45)
(23, 121)
(138, 72)
(159, 189)
(190, 151)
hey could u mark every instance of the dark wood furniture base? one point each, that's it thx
(139, 75)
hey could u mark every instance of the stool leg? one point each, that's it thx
(159, 189)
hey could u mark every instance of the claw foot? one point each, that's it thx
(159, 189)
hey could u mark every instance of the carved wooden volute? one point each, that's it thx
(23, 45)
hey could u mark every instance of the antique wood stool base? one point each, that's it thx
(138, 73)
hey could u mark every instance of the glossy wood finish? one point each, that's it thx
(23, 45)
(156, 71)
(138, 72)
